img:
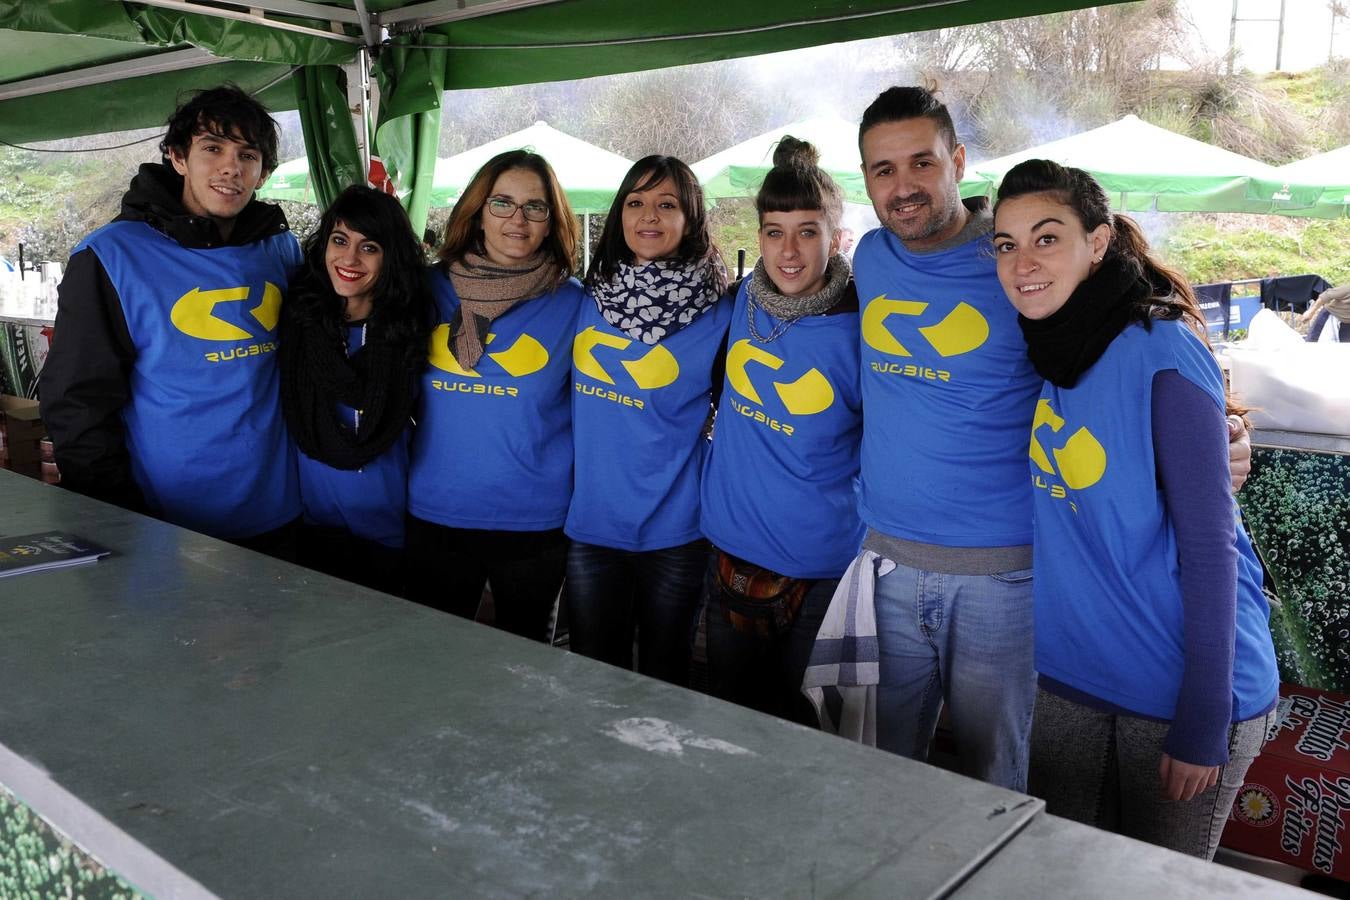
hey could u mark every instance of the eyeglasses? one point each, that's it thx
(504, 209)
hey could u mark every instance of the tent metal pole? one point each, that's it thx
(185, 6)
(438, 12)
(173, 61)
(358, 104)
(585, 243)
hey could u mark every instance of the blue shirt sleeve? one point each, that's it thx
(1190, 447)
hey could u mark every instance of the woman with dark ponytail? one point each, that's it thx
(778, 499)
(1157, 673)
(352, 344)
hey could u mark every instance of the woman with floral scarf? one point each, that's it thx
(647, 341)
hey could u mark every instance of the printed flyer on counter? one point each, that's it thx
(44, 551)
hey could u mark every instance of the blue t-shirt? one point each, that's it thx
(1109, 617)
(780, 478)
(208, 446)
(949, 394)
(493, 445)
(638, 412)
(370, 502)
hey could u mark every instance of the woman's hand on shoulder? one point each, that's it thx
(1239, 451)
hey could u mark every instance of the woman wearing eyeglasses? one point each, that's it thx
(491, 473)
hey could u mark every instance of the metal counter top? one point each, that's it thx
(206, 720)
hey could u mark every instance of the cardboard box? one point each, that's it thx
(1295, 805)
(21, 432)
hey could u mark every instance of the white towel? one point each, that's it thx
(841, 679)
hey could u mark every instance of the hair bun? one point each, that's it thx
(794, 152)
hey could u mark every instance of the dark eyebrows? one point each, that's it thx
(1046, 221)
(1001, 234)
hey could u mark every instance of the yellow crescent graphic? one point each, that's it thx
(269, 310)
(191, 314)
(807, 395)
(741, 353)
(961, 331)
(873, 323)
(1045, 415)
(582, 358)
(656, 369)
(439, 355)
(1082, 461)
(525, 357)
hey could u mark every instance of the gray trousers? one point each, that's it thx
(1101, 769)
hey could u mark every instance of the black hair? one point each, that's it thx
(429, 237)
(400, 303)
(897, 104)
(227, 112)
(796, 181)
(696, 245)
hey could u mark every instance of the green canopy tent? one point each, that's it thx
(1142, 167)
(76, 67)
(291, 182)
(1318, 187)
(738, 170)
(589, 175)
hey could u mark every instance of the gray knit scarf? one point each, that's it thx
(763, 294)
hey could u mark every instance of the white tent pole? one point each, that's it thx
(585, 243)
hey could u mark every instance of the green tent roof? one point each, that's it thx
(738, 171)
(1318, 186)
(72, 67)
(588, 174)
(1142, 167)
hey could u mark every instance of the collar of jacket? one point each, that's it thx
(156, 198)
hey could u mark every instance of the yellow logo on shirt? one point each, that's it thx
(194, 315)
(525, 357)
(962, 330)
(1078, 464)
(807, 395)
(657, 368)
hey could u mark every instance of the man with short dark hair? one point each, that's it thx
(160, 392)
(946, 491)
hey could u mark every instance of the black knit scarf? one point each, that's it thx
(317, 375)
(1066, 343)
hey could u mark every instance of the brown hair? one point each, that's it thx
(1080, 192)
(464, 232)
(796, 181)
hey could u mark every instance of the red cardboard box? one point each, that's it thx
(1295, 805)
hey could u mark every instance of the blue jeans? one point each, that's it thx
(966, 640)
(611, 593)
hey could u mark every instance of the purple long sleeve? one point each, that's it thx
(1190, 447)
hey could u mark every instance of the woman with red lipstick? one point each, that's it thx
(778, 485)
(646, 343)
(491, 470)
(352, 342)
(1156, 674)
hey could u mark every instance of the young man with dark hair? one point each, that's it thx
(945, 487)
(160, 392)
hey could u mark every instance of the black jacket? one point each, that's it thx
(85, 382)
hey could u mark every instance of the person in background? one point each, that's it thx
(353, 344)
(491, 470)
(429, 243)
(643, 360)
(1327, 319)
(950, 397)
(161, 393)
(778, 484)
(1157, 677)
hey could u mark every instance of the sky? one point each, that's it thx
(1307, 32)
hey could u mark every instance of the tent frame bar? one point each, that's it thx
(155, 64)
(438, 12)
(251, 17)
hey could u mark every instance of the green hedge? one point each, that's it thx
(37, 862)
(1297, 506)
